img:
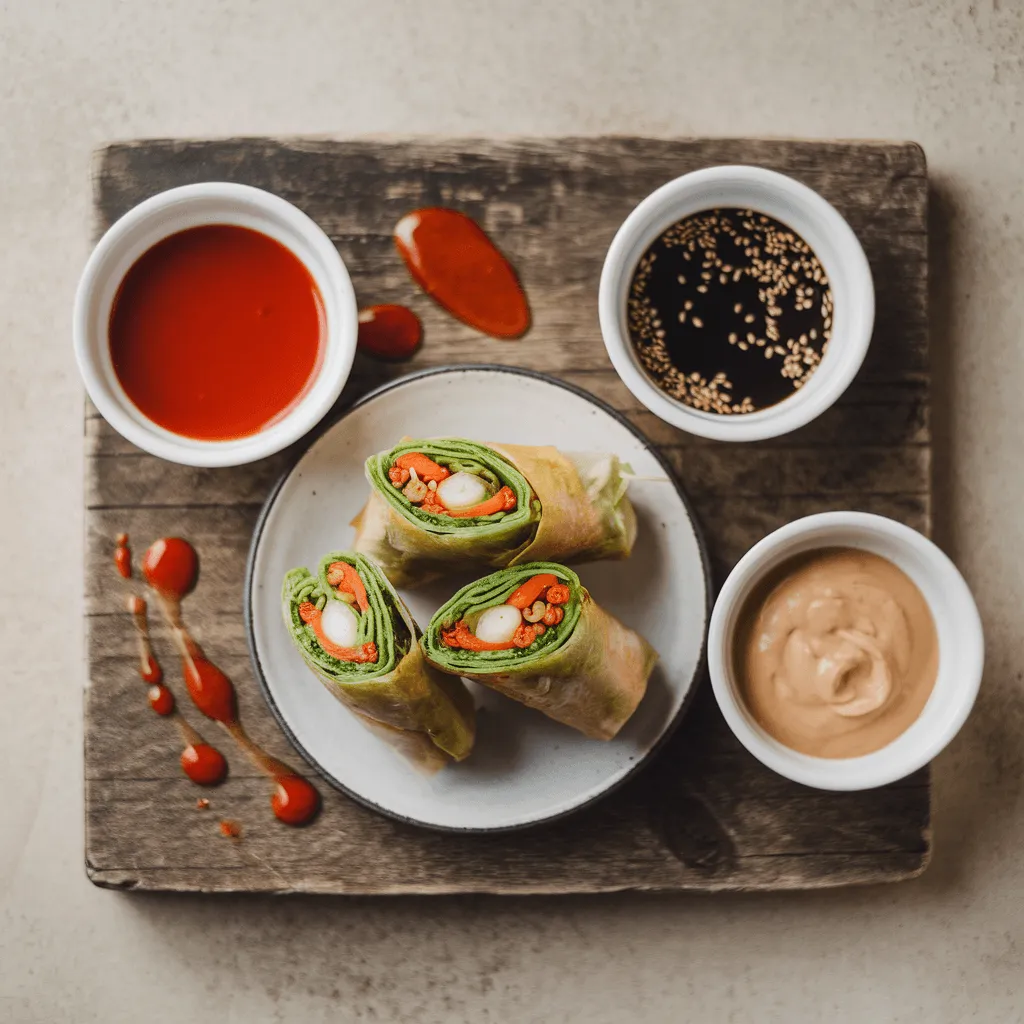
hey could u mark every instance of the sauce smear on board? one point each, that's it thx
(389, 332)
(451, 258)
(203, 764)
(216, 332)
(171, 568)
(123, 557)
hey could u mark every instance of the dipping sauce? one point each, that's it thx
(454, 261)
(836, 653)
(729, 311)
(216, 332)
(388, 332)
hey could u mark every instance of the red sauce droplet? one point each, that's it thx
(161, 700)
(123, 556)
(204, 764)
(453, 261)
(149, 667)
(151, 672)
(210, 689)
(216, 332)
(389, 332)
(231, 829)
(171, 566)
(295, 801)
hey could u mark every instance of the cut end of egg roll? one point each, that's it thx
(357, 636)
(582, 667)
(533, 503)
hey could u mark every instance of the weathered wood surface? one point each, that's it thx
(705, 815)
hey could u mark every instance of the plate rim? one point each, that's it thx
(700, 669)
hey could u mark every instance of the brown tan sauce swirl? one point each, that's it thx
(836, 653)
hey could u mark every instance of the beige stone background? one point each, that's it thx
(948, 947)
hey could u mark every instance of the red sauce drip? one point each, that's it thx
(161, 700)
(123, 557)
(391, 333)
(295, 801)
(211, 691)
(171, 567)
(149, 667)
(453, 261)
(203, 764)
(216, 332)
(231, 829)
(150, 670)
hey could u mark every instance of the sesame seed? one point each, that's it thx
(757, 266)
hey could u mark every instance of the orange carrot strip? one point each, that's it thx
(344, 577)
(461, 636)
(503, 501)
(426, 469)
(531, 590)
(310, 614)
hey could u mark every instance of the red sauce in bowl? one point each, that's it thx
(217, 332)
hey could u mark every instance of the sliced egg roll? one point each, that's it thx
(358, 637)
(534, 633)
(442, 504)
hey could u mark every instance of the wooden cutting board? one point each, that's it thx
(705, 815)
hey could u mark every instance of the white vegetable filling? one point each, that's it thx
(461, 490)
(340, 624)
(498, 625)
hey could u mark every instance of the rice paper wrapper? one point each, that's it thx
(416, 748)
(571, 507)
(408, 703)
(591, 678)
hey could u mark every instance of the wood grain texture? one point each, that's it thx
(705, 815)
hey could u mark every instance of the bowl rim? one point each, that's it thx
(909, 751)
(662, 208)
(213, 202)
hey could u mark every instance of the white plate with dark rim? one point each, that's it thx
(525, 769)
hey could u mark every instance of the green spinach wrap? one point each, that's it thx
(443, 504)
(535, 634)
(358, 637)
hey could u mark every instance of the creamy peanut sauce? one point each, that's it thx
(836, 653)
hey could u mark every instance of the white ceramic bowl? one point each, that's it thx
(189, 207)
(814, 219)
(961, 648)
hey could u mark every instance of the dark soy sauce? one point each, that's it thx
(729, 311)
